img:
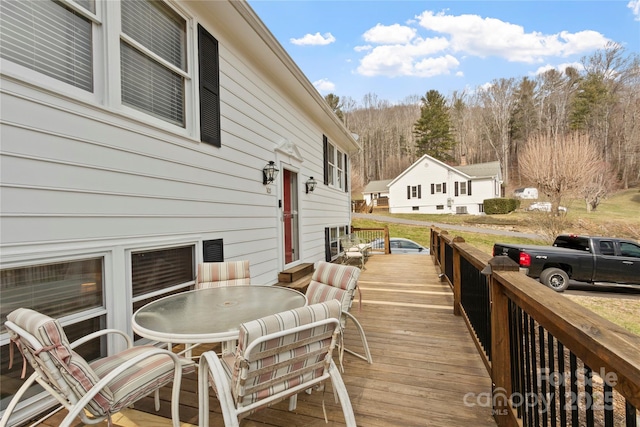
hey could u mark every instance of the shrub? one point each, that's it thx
(500, 206)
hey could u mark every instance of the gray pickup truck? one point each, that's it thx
(599, 260)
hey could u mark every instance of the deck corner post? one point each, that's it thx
(500, 344)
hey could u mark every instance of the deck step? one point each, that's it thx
(293, 274)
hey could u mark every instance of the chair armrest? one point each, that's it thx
(104, 381)
(210, 364)
(100, 333)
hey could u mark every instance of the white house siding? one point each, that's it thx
(427, 171)
(82, 176)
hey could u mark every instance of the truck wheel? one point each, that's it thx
(555, 278)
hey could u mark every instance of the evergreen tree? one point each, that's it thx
(334, 102)
(433, 129)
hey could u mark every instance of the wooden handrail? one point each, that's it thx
(597, 342)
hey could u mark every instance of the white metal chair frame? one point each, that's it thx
(354, 248)
(76, 409)
(347, 302)
(232, 413)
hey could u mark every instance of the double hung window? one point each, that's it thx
(335, 166)
(153, 60)
(52, 38)
(73, 43)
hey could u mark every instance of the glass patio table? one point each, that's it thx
(211, 315)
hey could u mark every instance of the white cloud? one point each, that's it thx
(389, 34)
(316, 39)
(413, 50)
(324, 86)
(395, 60)
(634, 5)
(485, 37)
(560, 67)
(363, 48)
(459, 74)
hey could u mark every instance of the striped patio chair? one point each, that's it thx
(277, 357)
(92, 391)
(335, 281)
(217, 274)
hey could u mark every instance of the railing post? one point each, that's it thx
(387, 242)
(500, 344)
(441, 255)
(456, 276)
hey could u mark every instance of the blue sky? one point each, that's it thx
(395, 49)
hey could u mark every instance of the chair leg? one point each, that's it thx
(16, 398)
(345, 402)
(363, 337)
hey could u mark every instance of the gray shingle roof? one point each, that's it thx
(480, 169)
(377, 186)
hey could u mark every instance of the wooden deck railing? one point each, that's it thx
(378, 237)
(552, 361)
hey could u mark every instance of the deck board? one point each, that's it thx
(424, 360)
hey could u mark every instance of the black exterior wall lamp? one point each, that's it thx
(269, 173)
(311, 185)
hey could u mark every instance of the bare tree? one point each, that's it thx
(603, 182)
(561, 168)
(498, 101)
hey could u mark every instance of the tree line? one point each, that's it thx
(509, 119)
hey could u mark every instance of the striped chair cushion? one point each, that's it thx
(216, 274)
(69, 372)
(137, 381)
(342, 279)
(250, 331)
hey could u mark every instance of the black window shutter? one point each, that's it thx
(408, 191)
(456, 189)
(327, 244)
(325, 143)
(209, 74)
(433, 189)
(444, 187)
(212, 250)
(346, 169)
(419, 191)
(469, 188)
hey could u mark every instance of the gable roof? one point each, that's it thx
(478, 170)
(377, 186)
(481, 170)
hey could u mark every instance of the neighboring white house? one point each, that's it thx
(376, 190)
(433, 187)
(134, 137)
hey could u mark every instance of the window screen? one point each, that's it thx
(149, 81)
(49, 38)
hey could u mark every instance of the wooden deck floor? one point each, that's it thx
(424, 362)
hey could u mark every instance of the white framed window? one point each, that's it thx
(335, 166)
(331, 165)
(153, 59)
(143, 46)
(438, 188)
(54, 39)
(332, 241)
(463, 188)
(414, 191)
(67, 289)
(159, 272)
(340, 170)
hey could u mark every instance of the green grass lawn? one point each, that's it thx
(618, 216)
